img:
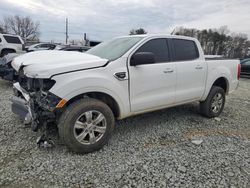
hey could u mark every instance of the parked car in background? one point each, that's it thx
(11, 44)
(72, 48)
(245, 67)
(83, 93)
(41, 46)
(6, 70)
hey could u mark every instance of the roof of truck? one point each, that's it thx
(160, 35)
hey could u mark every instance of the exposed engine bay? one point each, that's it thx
(35, 104)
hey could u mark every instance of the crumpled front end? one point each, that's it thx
(33, 102)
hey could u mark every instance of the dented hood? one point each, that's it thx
(44, 64)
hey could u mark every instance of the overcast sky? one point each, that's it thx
(104, 19)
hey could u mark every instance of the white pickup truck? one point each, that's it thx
(83, 93)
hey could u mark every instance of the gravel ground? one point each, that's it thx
(175, 147)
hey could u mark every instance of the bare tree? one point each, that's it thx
(22, 26)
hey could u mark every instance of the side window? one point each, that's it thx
(44, 46)
(184, 50)
(0, 40)
(12, 39)
(158, 47)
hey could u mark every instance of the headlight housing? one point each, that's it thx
(36, 84)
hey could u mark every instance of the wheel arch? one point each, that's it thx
(104, 97)
(221, 82)
(7, 49)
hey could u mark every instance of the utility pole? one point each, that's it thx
(85, 39)
(67, 36)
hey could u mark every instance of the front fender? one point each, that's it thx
(71, 85)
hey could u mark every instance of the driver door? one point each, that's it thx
(152, 86)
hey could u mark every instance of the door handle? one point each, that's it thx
(198, 67)
(168, 70)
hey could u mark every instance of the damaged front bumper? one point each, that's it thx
(20, 104)
(34, 108)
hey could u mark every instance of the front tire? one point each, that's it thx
(214, 103)
(86, 125)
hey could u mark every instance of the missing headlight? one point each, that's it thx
(48, 84)
(37, 84)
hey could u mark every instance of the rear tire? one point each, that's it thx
(86, 125)
(214, 103)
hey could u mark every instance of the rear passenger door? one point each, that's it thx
(152, 86)
(191, 70)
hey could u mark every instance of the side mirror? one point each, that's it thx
(142, 58)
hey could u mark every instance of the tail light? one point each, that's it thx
(239, 70)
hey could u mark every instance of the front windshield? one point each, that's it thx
(114, 48)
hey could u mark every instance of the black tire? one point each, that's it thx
(71, 115)
(206, 108)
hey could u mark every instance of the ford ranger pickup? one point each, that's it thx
(84, 93)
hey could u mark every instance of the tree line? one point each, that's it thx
(219, 41)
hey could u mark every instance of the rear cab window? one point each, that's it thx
(184, 50)
(159, 47)
(12, 39)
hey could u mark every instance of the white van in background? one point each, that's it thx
(10, 44)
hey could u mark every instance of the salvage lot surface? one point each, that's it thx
(153, 149)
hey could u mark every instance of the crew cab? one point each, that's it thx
(84, 93)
